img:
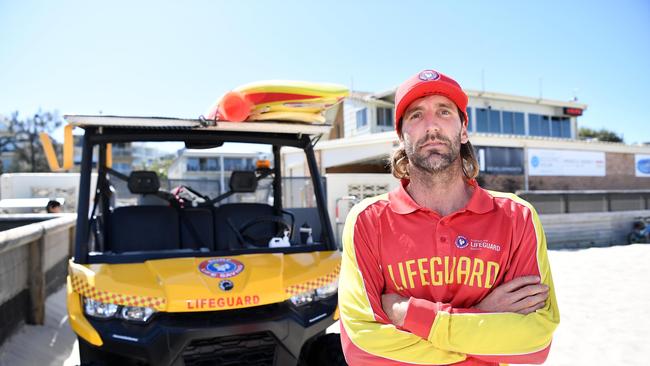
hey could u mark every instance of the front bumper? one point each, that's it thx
(264, 335)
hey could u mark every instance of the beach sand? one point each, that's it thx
(604, 300)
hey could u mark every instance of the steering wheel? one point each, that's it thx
(263, 241)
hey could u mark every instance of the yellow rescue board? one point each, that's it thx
(285, 100)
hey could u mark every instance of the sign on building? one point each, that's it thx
(642, 165)
(545, 162)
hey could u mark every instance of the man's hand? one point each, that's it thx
(395, 307)
(522, 295)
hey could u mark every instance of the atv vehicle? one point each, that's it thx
(182, 277)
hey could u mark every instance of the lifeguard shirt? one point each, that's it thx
(445, 265)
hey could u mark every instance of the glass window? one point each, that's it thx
(566, 127)
(518, 122)
(213, 164)
(556, 127)
(494, 121)
(384, 117)
(481, 120)
(250, 164)
(231, 164)
(545, 126)
(500, 160)
(192, 164)
(362, 117)
(533, 124)
(469, 119)
(508, 123)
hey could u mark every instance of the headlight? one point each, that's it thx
(99, 309)
(302, 298)
(318, 294)
(137, 313)
(104, 310)
(327, 290)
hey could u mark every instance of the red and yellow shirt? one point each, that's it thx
(445, 265)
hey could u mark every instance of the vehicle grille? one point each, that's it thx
(257, 349)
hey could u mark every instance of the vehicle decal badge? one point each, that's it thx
(221, 267)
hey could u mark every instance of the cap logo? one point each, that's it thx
(428, 75)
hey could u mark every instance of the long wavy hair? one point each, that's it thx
(399, 162)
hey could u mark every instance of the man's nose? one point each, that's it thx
(431, 122)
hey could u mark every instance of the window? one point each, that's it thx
(556, 127)
(513, 123)
(488, 120)
(213, 164)
(500, 160)
(508, 123)
(519, 128)
(250, 164)
(469, 119)
(494, 121)
(231, 164)
(539, 125)
(566, 127)
(481, 120)
(384, 117)
(545, 125)
(362, 117)
(192, 164)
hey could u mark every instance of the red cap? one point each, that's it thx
(427, 82)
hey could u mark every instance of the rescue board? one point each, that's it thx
(284, 100)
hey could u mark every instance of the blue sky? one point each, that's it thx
(172, 58)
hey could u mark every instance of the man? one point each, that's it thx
(53, 206)
(440, 271)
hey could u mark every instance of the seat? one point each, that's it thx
(143, 228)
(197, 228)
(237, 214)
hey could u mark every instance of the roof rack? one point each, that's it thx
(209, 125)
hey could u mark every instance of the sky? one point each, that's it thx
(175, 59)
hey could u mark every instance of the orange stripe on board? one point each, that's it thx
(258, 98)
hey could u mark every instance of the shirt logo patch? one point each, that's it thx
(221, 267)
(461, 242)
(428, 75)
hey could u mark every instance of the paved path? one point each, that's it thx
(53, 344)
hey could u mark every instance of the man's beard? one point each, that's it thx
(433, 161)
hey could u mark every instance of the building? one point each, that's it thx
(522, 144)
(197, 167)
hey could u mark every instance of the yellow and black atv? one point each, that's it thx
(238, 266)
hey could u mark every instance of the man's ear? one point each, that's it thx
(464, 135)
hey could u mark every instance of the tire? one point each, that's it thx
(326, 351)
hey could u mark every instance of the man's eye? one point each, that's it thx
(415, 115)
(445, 112)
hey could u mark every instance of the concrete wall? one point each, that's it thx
(33, 264)
(585, 230)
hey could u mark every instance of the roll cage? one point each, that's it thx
(103, 130)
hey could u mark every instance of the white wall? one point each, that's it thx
(50, 185)
(337, 187)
